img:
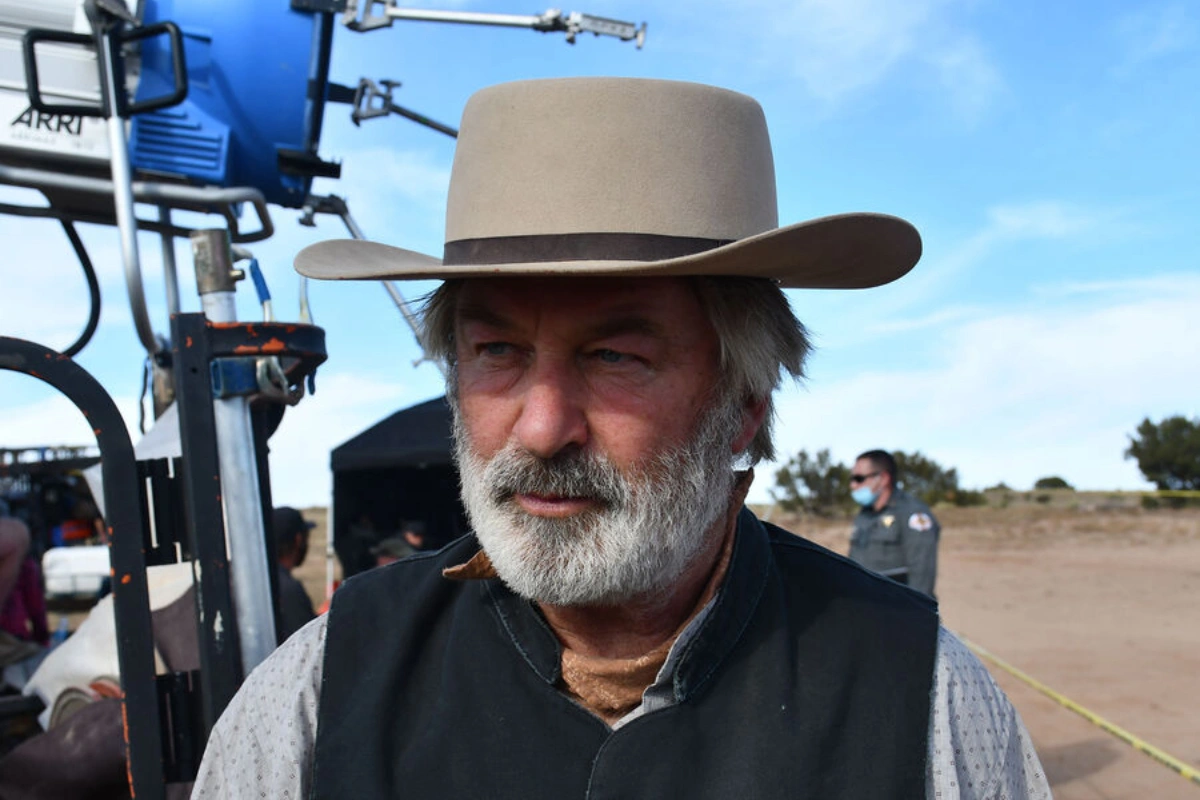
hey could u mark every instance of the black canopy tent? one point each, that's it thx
(399, 469)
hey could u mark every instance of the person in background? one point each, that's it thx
(81, 527)
(354, 549)
(23, 613)
(22, 602)
(14, 545)
(894, 534)
(291, 547)
(410, 540)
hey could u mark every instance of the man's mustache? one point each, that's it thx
(574, 474)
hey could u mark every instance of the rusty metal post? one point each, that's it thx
(215, 280)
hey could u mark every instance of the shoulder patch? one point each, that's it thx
(920, 521)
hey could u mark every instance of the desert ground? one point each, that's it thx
(1102, 605)
(1094, 597)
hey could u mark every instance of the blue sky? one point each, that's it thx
(1046, 153)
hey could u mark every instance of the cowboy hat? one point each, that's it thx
(624, 177)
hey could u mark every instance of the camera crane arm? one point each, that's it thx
(572, 23)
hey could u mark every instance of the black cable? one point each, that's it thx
(93, 289)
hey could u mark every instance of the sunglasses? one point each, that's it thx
(854, 478)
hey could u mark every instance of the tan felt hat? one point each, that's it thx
(622, 176)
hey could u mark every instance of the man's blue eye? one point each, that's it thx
(496, 348)
(610, 356)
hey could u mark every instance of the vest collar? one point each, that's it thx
(733, 608)
(720, 629)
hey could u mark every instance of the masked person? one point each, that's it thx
(618, 624)
(894, 534)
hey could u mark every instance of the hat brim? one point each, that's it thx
(847, 251)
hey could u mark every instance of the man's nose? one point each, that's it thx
(552, 413)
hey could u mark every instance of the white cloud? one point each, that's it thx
(44, 296)
(931, 320)
(1023, 393)
(840, 48)
(970, 80)
(389, 172)
(1154, 33)
(344, 405)
(837, 48)
(1040, 219)
(50, 419)
(887, 310)
(1151, 284)
(397, 196)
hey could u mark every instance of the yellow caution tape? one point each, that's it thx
(1158, 755)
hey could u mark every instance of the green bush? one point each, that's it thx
(1168, 453)
(813, 484)
(1052, 482)
(970, 497)
(923, 477)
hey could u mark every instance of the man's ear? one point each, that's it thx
(754, 412)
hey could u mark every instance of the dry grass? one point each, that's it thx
(1028, 526)
(1019, 526)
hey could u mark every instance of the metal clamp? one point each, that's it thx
(371, 102)
(273, 382)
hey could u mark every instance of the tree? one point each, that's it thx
(925, 478)
(1052, 482)
(1168, 453)
(816, 485)
(813, 484)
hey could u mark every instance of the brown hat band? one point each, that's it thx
(574, 247)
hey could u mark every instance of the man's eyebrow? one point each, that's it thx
(481, 313)
(629, 323)
(626, 322)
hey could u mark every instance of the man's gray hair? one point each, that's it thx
(759, 335)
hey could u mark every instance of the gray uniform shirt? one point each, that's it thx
(899, 541)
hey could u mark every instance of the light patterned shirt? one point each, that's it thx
(263, 744)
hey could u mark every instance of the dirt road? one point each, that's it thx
(1102, 607)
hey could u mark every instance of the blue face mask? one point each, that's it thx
(864, 496)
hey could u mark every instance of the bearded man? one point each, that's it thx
(618, 625)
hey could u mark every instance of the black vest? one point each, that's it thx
(810, 678)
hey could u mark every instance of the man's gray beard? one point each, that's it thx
(647, 530)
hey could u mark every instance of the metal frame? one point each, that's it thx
(198, 345)
(124, 500)
(206, 200)
(222, 201)
(168, 718)
(220, 649)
